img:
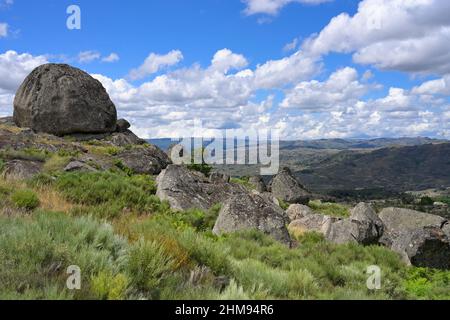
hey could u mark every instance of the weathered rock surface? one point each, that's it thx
(122, 125)
(298, 211)
(424, 247)
(258, 183)
(78, 166)
(59, 99)
(124, 138)
(398, 220)
(285, 187)
(347, 231)
(421, 239)
(312, 223)
(21, 169)
(186, 189)
(251, 211)
(147, 159)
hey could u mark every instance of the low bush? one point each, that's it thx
(25, 199)
(110, 189)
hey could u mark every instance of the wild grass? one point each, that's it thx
(130, 245)
(330, 209)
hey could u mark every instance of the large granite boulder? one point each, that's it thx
(285, 187)
(405, 220)
(424, 247)
(146, 159)
(59, 99)
(251, 211)
(422, 239)
(187, 189)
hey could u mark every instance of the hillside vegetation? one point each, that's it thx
(130, 245)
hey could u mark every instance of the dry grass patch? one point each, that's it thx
(51, 200)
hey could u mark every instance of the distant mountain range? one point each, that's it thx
(329, 165)
(337, 144)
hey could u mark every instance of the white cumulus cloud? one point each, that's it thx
(155, 62)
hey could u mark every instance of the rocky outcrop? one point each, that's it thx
(258, 183)
(285, 187)
(298, 211)
(251, 211)
(186, 189)
(59, 99)
(403, 220)
(420, 238)
(424, 247)
(21, 169)
(147, 159)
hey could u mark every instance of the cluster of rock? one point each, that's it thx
(421, 239)
(58, 100)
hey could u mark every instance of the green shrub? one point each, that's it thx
(243, 181)
(25, 199)
(121, 166)
(428, 284)
(35, 253)
(148, 265)
(107, 286)
(426, 201)
(56, 163)
(107, 188)
(330, 209)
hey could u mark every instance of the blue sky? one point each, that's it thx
(309, 68)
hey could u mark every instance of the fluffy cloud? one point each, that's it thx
(113, 57)
(14, 68)
(226, 95)
(439, 86)
(341, 89)
(88, 56)
(3, 30)
(272, 7)
(410, 36)
(155, 62)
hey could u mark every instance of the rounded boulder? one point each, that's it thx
(59, 99)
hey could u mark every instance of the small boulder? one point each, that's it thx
(258, 183)
(124, 138)
(349, 231)
(251, 211)
(311, 223)
(21, 169)
(122, 125)
(285, 187)
(60, 100)
(298, 211)
(78, 166)
(147, 159)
